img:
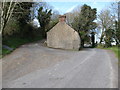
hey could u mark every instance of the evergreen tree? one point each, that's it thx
(84, 22)
(44, 17)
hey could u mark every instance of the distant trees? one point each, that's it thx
(108, 23)
(69, 18)
(44, 19)
(115, 7)
(71, 15)
(54, 19)
(84, 22)
(47, 17)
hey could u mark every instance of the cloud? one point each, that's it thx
(69, 10)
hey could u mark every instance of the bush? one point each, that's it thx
(11, 28)
(100, 46)
(27, 31)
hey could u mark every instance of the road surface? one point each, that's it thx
(37, 66)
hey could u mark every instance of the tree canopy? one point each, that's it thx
(84, 22)
(44, 19)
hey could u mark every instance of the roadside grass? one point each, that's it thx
(115, 49)
(15, 42)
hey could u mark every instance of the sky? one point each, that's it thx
(64, 7)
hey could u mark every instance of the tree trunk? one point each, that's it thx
(102, 35)
(82, 43)
(44, 32)
(93, 40)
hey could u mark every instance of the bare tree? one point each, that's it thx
(106, 22)
(77, 10)
(114, 9)
(55, 15)
(69, 18)
(6, 9)
(70, 15)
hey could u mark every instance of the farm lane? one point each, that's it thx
(37, 66)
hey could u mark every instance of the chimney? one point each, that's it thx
(62, 18)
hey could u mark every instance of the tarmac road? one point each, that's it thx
(36, 66)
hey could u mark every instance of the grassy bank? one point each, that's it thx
(115, 49)
(15, 42)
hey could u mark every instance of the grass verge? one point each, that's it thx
(15, 42)
(115, 49)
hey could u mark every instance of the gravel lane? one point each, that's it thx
(36, 66)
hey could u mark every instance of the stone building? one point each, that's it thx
(63, 36)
